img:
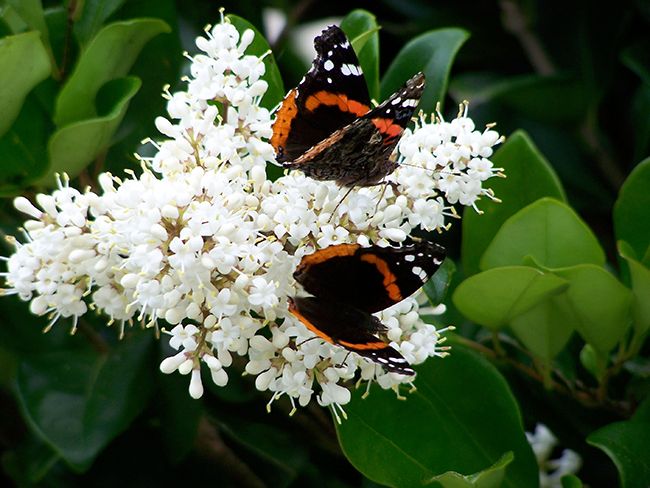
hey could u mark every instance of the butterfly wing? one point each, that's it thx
(368, 278)
(350, 328)
(359, 153)
(332, 94)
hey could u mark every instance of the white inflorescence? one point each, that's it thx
(551, 471)
(204, 244)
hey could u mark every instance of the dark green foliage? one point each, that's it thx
(558, 274)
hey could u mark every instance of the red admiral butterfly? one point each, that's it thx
(349, 283)
(325, 127)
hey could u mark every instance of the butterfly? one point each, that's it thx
(325, 127)
(348, 283)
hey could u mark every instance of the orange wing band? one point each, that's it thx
(366, 346)
(387, 128)
(327, 253)
(283, 119)
(390, 280)
(339, 100)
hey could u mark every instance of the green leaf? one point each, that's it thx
(547, 230)
(23, 64)
(593, 361)
(180, 414)
(600, 302)
(258, 47)
(75, 146)
(529, 178)
(436, 288)
(632, 209)
(432, 53)
(490, 478)
(109, 55)
(93, 15)
(626, 443)
(360, 26)
(31, 12)
(23, 149)
(78, 401)
(493, 298)
(545, 329)
(640, 280)
(570, 481)
(461, 418)
(640, 107)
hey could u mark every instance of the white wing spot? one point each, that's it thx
(420, 254)
(328, 65)
(329, 53)
(345, 45)
(396, 101)
(350, 69)
(329, 80)
(383, 360)
(410, 103)
(423, 276)
(437, 261)
(416, 270)
(410, 258)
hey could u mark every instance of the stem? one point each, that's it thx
(72, 11)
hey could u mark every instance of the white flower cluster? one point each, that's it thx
(203, 241)
(551, 471)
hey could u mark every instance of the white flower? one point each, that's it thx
(202, 241)
(551, 471)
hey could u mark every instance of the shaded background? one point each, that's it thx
(575, 76)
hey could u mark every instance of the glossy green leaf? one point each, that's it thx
(490, 478)
(432, 53)
(78, 401)
(75, 146)
(108, 56)
(547, 230)
(545, 329)
(361, 28)
(493, 298)
(640, 281)
(461, 418)
(571, 481)
(31, 12)
(529, 178)
(601, 304)
(23, 64)
(632, 209)
(258, 47)
(436, 288)
(626, 443)
(93, 15)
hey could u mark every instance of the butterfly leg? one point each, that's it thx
(339, 203)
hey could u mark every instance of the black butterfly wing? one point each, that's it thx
(359, 153)
(332, 94)
(350, 328)
(371, 278)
